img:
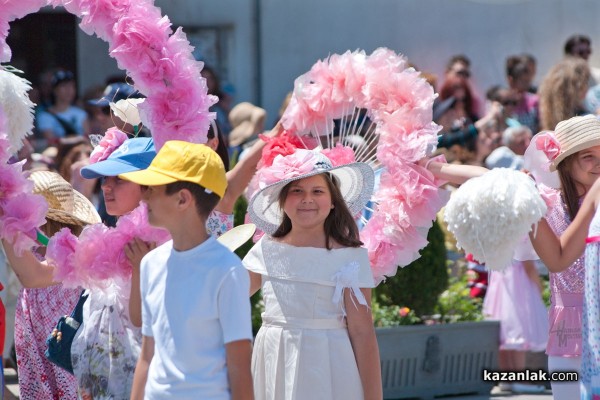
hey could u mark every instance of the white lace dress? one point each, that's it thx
(303, 350)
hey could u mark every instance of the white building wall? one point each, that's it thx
(428, 32)
(295, 33)
(95, 64)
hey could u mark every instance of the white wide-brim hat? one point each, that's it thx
(356, 182)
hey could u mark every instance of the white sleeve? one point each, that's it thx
(146, 315)
(233, 301)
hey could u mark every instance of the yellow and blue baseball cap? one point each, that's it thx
(132, 155)
(183, 161)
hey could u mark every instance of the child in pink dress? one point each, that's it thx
(40, 306)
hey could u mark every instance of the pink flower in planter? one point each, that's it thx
(404, 311)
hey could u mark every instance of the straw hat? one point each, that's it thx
(576, 134)
(356, 181)
(246, 120)
(65, 204)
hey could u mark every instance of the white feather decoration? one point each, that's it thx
(490, 214)
(17, 107)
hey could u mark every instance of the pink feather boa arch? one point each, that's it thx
(400, 103)
(163, 68)
(159, 61)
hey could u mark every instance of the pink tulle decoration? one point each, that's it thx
(113, 138)
(22, 215)
(340, 155)
(98, 257)
(60, 255)
(22, 212)
(547, 142)
(286, 167)
(399, 102)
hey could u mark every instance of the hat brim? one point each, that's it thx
(108, 167)
(241, 133)
(581, 146)
(98, 102)
(84, 212)
(356, 180)
(236, 237)
(148, 177)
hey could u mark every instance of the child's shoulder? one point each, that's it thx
(159, 253)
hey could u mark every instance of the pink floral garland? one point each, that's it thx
(400, 103)
(159, 61)
(97, 256)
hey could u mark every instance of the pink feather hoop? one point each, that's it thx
(159, 61)
(163, 68)
(398, 102)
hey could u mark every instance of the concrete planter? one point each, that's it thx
(434, 360)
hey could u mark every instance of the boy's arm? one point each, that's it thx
(239, 357)
(141, 370)
(364, 344)
(135, 250)
(235, 318)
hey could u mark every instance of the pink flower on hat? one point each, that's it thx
(340, 155)
(287, 167)
(548, 143)
(284, 144)
(111, 141)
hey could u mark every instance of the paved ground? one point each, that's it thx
(497, 394)
(12, 386)
(12, 392)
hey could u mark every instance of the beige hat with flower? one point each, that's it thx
(65, 204)
(575, 134)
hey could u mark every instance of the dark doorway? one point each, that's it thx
(43, 41)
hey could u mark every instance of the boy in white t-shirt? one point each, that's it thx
(195, 308)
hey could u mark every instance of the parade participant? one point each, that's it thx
(571, 151)
(317, 338)
(40, 305)
(196, 314)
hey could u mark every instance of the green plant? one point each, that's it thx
(455, 304)
(418, 285)
(393, 315)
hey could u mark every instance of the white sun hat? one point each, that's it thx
(356, 181)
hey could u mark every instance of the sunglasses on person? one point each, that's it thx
(463, 73)
(509, 102)
(584, 52)
(62, 76)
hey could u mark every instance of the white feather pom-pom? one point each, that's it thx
(17, 107)
(490, 214)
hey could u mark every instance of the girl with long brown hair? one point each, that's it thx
(317, 338)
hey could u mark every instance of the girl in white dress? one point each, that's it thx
(317, 339)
